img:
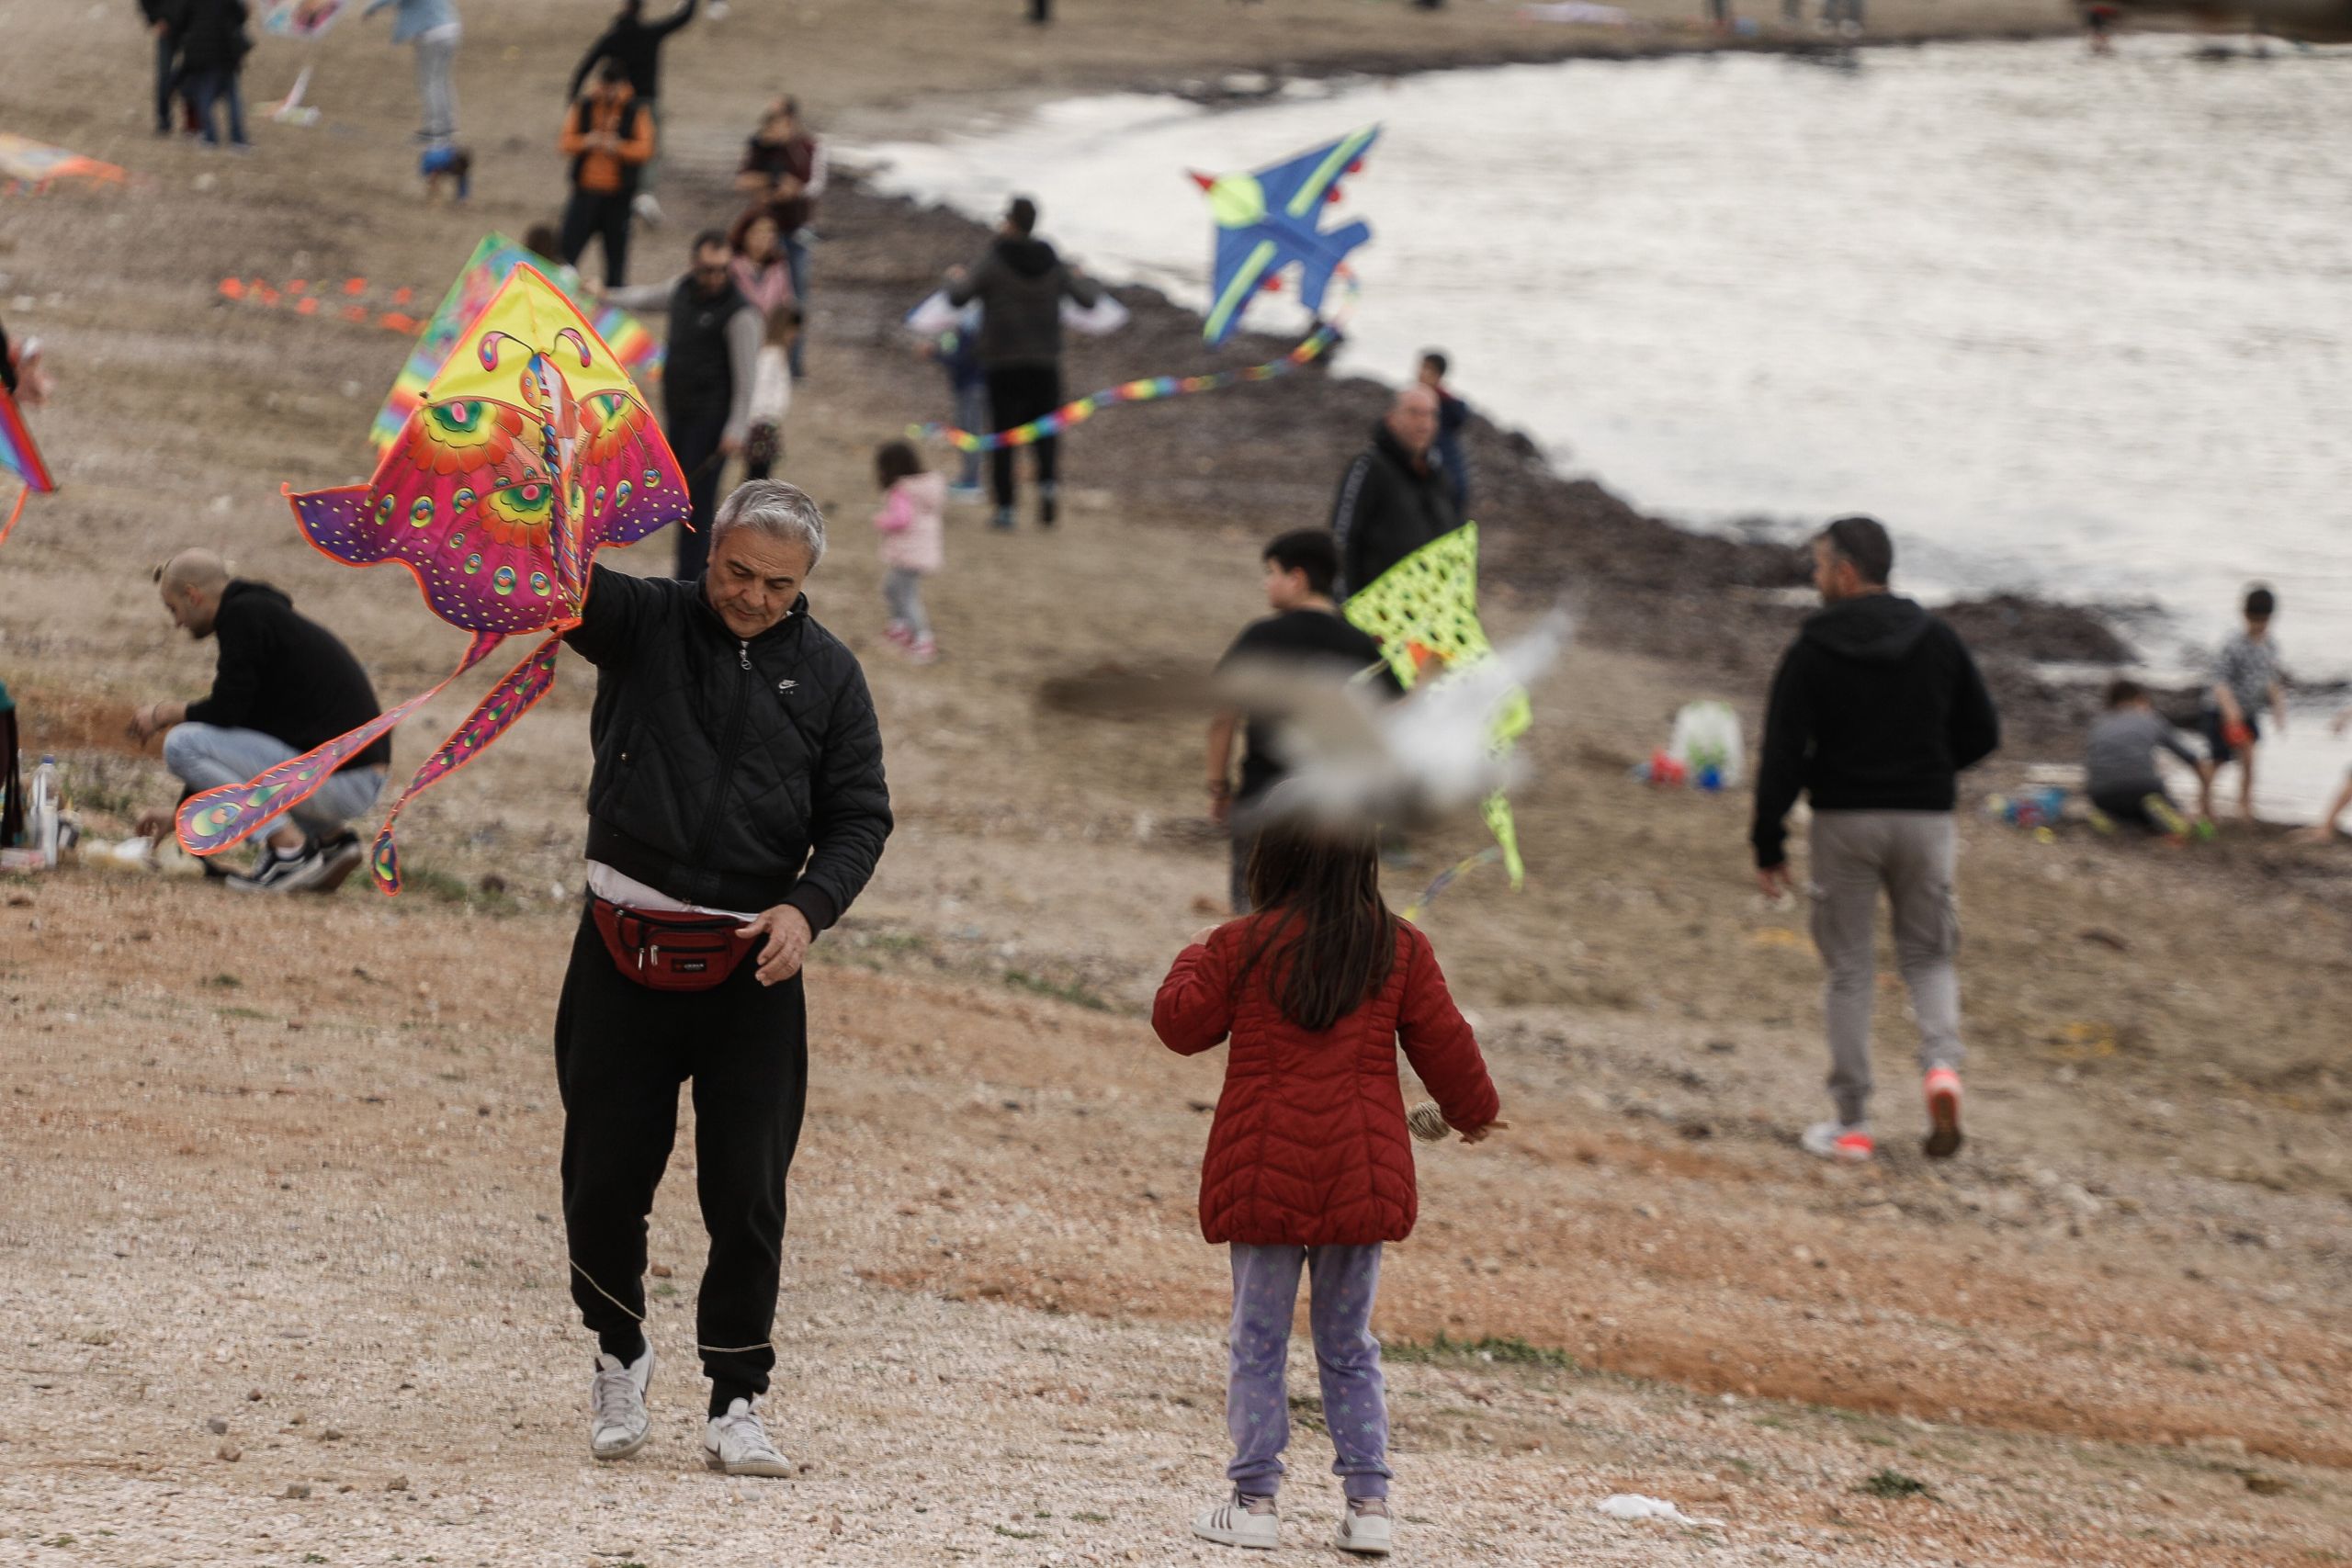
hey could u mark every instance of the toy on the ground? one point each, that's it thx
(531, 451)
(2032, 809)
(1266, 222)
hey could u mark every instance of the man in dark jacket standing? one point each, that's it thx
(166, 19)
(635, 45)
(283, 684)
(1020, 284)
(737, 802)
(213, 46)
(1393, 498)
(706, 374)
(1874, 710)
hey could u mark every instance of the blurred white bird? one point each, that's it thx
(1355, 758)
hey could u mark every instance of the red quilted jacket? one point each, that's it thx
(1309, 1147)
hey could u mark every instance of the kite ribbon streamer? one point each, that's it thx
(509, 700)
(1150, 389)
(218, 819)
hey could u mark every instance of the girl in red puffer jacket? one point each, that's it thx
(1310, 1161)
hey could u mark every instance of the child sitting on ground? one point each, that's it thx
(2123, 781)
(1310, 1161)
(770, 393)
(2245, 678)
(912, 547)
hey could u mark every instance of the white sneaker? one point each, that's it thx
(1367, 1535)
(649, 211)
(1232, 1523)
(1836, 1140)
(617, 1424)
(738, 1444)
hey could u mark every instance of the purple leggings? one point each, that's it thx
(1342, 1282)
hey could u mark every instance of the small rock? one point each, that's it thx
(331, 1435)
(296, 1490)
(1722, 1047)
(660, 1271)
(397, 1484)
(217, 1427)
(253, 1396)
(229, 1451)
(2263, 1485)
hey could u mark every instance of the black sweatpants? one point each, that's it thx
(621, 1051)
(694, 441)
(597, 215)
(1017, 394)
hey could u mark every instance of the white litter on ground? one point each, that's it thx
(1630, 1506)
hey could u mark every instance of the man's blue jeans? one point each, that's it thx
(204, 756)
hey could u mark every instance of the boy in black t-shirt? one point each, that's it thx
(1305, 629)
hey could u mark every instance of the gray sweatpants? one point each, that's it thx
(1910, 854)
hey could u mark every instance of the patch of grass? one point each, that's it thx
(1074, 992)
(1307, 1411)
(449, 888)
(1091, 1518)
(239, 1012)
(1893, 1483)
(1017, 1535)
(1509, 1349)
(312, 1557)
(225, 982)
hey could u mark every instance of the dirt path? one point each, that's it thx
(308, 1151)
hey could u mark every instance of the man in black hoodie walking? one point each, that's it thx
(1020, 284)
(1394, 499)
(1875, 708)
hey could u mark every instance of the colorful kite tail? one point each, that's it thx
(219, 818)
(509, 700)
(1148, 390)
(14, 512)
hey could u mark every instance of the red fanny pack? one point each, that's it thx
(663, 950)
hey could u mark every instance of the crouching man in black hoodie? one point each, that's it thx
(1874, 709)
(283, 684)
(1020, 285)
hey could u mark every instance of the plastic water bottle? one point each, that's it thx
(42, 820)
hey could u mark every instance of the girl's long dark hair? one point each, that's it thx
(1317, 892)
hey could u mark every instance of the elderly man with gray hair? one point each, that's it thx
(736, 808)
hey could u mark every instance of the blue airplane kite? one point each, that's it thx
(1269, 218)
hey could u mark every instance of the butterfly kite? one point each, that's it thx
(1267, 220)
(530, 451)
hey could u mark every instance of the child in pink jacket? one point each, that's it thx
(910, 522)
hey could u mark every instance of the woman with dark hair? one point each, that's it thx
(762, 272)
(1309, 1162)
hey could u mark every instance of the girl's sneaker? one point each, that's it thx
(1242, 1521)
(898, 632)
(923, 651)
(1366, 1529)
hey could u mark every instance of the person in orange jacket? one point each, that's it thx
(608, 136)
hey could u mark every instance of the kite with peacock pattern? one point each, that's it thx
(529, 452)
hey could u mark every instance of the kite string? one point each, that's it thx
(1146, 389)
